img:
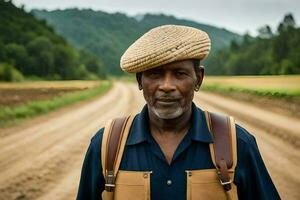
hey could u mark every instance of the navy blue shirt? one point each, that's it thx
(142, 153)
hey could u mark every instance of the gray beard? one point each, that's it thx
(160, 113)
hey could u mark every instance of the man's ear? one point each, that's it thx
(138, 77)
(200, 76)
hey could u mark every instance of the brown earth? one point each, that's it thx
(13, 97)
(42, 158)
(20, 93)
(287, 106)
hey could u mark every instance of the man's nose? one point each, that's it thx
(167, 83)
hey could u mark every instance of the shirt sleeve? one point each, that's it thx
(252, 178)
(92, 181)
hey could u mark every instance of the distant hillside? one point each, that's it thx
(108, 35)
(30, 47)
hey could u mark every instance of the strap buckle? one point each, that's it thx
(226, 182)
(110, 181)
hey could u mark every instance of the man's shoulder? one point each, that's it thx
(243, 135)
(97, 138)
(246, 142)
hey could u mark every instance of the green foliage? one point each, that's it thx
(93, 64)
(268, 54)
(276, 93)
(36, 50)
(40, 50)
(108, 35)
(265, 32)
(9, 73)
(10, 115)
(65, 59)
(16, 54)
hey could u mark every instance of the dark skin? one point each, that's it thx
(169, 91)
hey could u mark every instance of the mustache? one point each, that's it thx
(167, 97)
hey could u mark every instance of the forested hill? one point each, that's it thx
(29, 47)
(108, 35)
(272, 52)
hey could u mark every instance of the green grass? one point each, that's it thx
(12, 115)
(279, 87)
(270, 92)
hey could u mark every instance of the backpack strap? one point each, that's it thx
(113, 143)
(223, 149)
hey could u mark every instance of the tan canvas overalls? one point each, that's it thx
(135, 185)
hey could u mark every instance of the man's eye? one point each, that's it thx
(154, 73)
(179, 73)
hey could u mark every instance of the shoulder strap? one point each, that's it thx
(223, 149)
(113, 143)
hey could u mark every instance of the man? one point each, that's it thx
(169, 140)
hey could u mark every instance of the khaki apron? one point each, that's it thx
(201, 184)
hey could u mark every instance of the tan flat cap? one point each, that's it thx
(165, 44)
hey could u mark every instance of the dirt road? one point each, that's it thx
(42, 158)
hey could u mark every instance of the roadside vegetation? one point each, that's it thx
(281, 87)
(35, 98)
(286, 87)
(279, 94)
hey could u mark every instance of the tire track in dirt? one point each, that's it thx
(280, 156)
(283, 126)
(44, 160)
(41, 140)
(31, 180)
(67, 187)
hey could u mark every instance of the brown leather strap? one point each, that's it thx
(220, 129)
(220, 125)
(112, 148)
(114, 141)
(224, 176)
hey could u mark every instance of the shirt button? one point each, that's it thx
(169, 182)
(145, 175)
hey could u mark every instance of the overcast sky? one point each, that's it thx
(235, 15)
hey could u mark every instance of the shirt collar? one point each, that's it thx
(199, 130)
(140, 130)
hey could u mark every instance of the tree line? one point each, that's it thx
(270, 53)
(31, 48)
(108, 35)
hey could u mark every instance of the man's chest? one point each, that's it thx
(167, 180)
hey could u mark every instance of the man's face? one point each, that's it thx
(169, 89)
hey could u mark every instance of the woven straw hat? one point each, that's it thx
(165, 44)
